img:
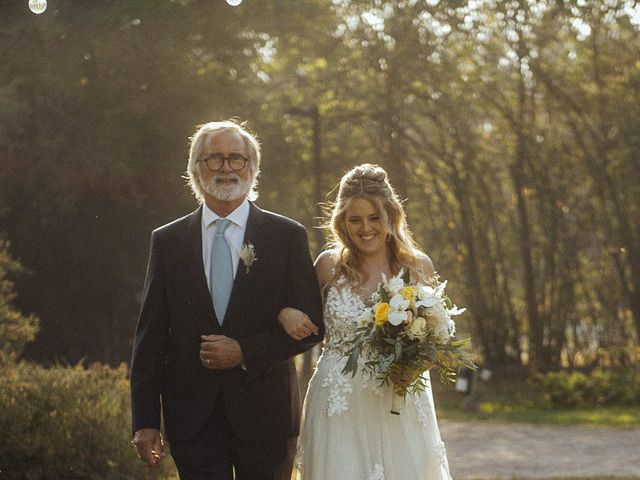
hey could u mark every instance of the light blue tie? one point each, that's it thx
(221, 273)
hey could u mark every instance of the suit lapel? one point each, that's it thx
(243, 279)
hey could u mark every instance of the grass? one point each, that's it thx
(514, 413)
(573, 478)
(519, 403)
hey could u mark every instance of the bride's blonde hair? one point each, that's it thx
(369, 182)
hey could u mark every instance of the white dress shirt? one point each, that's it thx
(234, 235)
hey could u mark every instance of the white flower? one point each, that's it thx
(428, 303)
(456, 311)
(398, 306)
(398, 302)
(426, 297)
(397, 317)
(248, 255)
(440, 289)
(395, 284)
(425, 292)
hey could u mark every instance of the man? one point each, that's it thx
(208, 349)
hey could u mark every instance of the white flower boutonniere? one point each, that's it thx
(248, 255)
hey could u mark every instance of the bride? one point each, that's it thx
(348, 431)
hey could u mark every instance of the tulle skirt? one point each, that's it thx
(349, 432)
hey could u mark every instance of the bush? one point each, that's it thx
(601, 387)
(68, 423)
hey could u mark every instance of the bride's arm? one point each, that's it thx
(325, 267)
(296, 323)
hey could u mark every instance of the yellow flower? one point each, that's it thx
(408, 292)
(381, 313)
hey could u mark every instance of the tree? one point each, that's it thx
(16, 329)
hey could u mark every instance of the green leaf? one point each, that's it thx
(352, 357)
(460, 343)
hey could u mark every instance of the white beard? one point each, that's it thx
(226, 192)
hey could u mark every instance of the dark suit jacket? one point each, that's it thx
(262, 402)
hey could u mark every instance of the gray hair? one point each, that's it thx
(197, 141)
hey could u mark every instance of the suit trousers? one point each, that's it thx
(217, 453)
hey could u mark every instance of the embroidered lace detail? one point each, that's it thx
(342, 309)
(339, 388)
(377, 473)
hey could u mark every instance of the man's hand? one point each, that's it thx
(148, 442)
(219, 352)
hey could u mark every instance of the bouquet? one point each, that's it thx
(408, 330)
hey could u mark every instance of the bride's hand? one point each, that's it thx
(296, 323)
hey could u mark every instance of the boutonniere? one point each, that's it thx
(248, 255)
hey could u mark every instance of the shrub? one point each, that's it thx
(68, 423)
(601, 387)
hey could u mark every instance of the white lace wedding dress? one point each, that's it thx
(348, 431)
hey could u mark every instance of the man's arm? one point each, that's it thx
(149, 349)
(268, 348)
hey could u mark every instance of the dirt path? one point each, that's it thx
(502, 451)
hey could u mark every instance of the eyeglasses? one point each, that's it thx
(215, 161)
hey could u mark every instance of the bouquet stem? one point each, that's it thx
(397, 402)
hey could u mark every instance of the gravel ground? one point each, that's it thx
(481, 450)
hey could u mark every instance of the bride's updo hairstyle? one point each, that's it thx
(370, 182)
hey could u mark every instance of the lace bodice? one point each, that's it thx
(342, 310)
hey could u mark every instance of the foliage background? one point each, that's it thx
(512, 128)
